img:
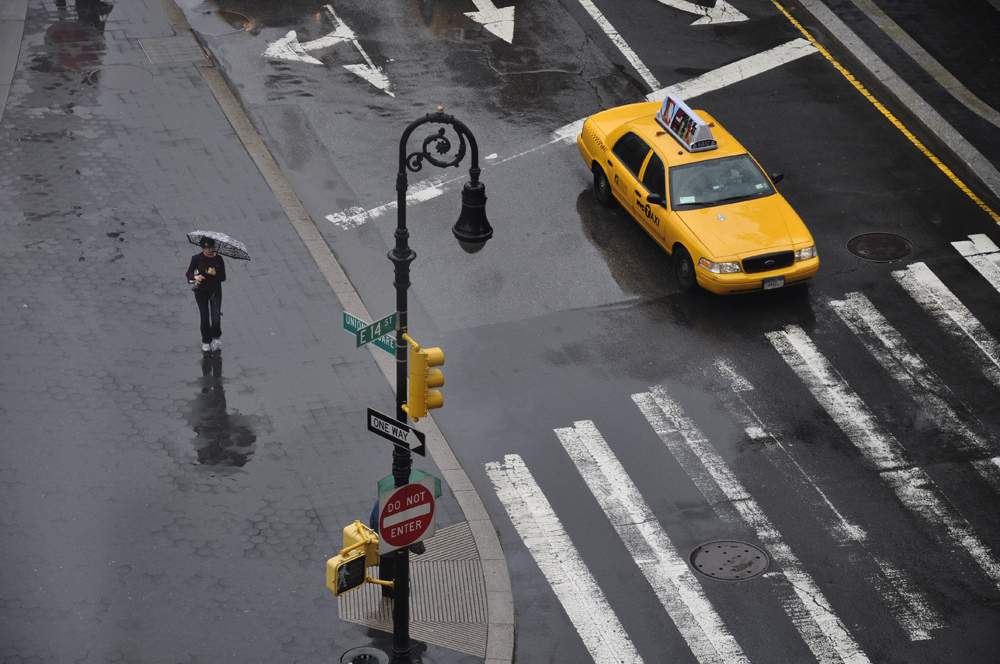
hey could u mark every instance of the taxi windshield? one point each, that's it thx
(717, 182)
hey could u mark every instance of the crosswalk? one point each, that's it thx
(708, 634)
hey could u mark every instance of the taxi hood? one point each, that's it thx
(746, 228)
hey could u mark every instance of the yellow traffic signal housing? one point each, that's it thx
(348, 571)
(422, 378)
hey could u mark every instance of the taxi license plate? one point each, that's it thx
(774, 282)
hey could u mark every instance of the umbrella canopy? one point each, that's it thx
(224, 244)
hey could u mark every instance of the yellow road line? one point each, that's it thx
(892, 118)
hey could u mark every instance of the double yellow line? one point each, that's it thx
(892, 118)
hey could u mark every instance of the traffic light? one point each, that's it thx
(348, 570)
(422, 378)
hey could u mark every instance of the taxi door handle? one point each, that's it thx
(610, 164)
(637, 193)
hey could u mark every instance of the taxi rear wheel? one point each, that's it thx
(602, 188)
(684, 269)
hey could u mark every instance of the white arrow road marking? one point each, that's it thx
(722, 12)
(289, 48)
(800, 596)
(498, 20)
(629, 54)
(907, 603)
(912, 485)
(554, 553)
(664, 568)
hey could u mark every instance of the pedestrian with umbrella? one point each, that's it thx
(206, 272)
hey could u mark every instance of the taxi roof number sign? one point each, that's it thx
(685, 125)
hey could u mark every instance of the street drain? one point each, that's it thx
(217, 23)
(728, 560)
(364, 655)
(119, 77)
(880, 247)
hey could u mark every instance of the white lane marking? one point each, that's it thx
(913, 486)
(737, 71)
(672, 580)
(722, 12)
(931, 294)
(498, 20)
(289, 48)
(984, 255)
(889, 348)
(553, 551)
(908, 605)
(713, 80)
(416, 193)
(803, 601)
(618, 41)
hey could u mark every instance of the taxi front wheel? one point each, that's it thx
(602, 188)
(684, 269)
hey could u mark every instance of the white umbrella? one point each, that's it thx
(224, 244)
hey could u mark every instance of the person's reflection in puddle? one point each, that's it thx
(224, 439)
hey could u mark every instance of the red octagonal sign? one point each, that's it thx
(406, 515)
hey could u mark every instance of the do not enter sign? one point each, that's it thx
(406, 515)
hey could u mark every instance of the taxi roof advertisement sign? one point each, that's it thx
(685, 125)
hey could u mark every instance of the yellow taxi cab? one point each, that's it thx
(700, 195)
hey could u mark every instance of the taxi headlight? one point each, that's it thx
(720, 268)
(805, 254)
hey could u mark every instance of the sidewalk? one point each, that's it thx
(939, 64)
(158, 504)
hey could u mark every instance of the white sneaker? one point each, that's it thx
(216, 344)
(206, 348)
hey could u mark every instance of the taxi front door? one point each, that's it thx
(625, 163)
(655, 217)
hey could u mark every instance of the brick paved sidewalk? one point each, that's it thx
(158, 504)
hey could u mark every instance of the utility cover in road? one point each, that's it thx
(399, 433)
(352, 324)
(406, 515)
(369, 333)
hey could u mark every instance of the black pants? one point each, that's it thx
(210, 305)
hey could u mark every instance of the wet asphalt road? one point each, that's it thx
(571, 310)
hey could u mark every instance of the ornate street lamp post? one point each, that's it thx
(472, 231)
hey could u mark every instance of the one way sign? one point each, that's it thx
(399, 433)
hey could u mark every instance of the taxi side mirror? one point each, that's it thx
(777, 177)
(655, 199)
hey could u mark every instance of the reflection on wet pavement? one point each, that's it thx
(223, 438)
(78, 44)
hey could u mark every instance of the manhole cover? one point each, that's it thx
(120, 77)
(880, 247)
(364, 655)
(728, 560)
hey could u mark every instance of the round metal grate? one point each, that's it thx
(880, 247)
(120, 77)
(728, 560)
(365, 655)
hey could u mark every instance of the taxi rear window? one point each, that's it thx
(717, 182)
(632, 150)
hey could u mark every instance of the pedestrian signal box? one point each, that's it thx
(422, 378)
(348, 570)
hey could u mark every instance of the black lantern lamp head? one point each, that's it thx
(473, 228)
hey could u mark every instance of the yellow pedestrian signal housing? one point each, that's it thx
(422, 378)
(348, 571)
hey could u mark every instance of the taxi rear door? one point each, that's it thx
(625, 163)
(653, 180)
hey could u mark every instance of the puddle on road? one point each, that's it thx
(223, 438)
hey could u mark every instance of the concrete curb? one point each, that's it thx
(946, 137)
(499, 598)
(12, 15)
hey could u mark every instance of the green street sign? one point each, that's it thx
(385, 342)
(376, 330)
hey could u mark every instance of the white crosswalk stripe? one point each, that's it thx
(553, 551)
(889, 348)
(650, 546)
(914, 488)
(984, 255)
(802, 599)
(938, 300)
(908, 605)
